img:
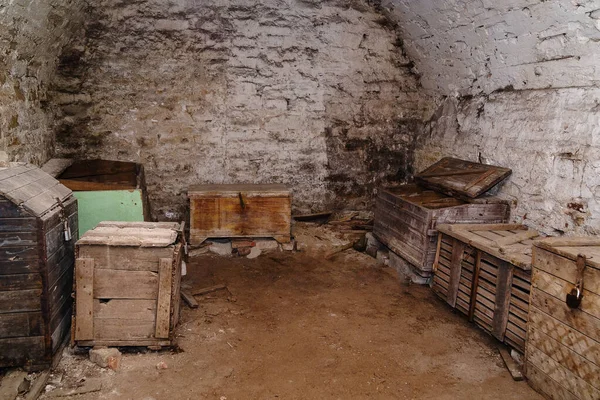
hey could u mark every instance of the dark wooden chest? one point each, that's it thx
(36, 266)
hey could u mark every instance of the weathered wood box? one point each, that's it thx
(106, 190)
(563, 343)
(36, 266)
(228, 211)
(127, 284)
(484, 271)
(406, 217)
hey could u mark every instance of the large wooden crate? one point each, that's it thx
(563, 343)
(448, 192)
(36, 266)
(484, 271)
(106, 190)
(127, 284)
(226, 211)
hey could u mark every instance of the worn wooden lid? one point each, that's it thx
(462, 178)
(135, 234)
(230, 190)
(31, 188)
(571, 247)
(509, 242)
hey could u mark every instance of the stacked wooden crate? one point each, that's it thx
(450, 191)
(563, 342)
(484, 271)
(36, 266)
(127, 284)
(228, 211)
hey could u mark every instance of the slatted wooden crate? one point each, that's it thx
(563, 343)
(406, 217)
(36, 266)
(484, 271)
(127, 284)
(227, 211)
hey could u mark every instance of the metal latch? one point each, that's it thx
(65, 221)
(576, 295)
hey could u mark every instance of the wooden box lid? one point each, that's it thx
(457, 177)
(571, 247)
(135, 234)
(233, 190)
(31, 188)
(509, 242)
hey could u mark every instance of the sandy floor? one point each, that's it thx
(294, 326)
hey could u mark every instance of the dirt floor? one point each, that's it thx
(296, 326)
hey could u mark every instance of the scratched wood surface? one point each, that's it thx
(406, 219)
(134, 298)
(563, 344)
(218, 211)
(36, 266)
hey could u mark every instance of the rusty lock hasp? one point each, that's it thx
(574, 297)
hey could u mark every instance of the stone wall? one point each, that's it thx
(518, 86)
(316, 95)
(32, 35)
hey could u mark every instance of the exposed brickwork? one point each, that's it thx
(317, 95)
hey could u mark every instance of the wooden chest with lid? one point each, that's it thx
(36, 266)
(562, 357)
(227, 211)
(127, 284)
(448, 192)
(484, 271)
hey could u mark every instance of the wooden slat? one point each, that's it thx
(118, 284)
(163, 305)
(566, 357)
(119, 329)
(84, 281)
(557, 287)
(583, 345)
(565, 268)
(542, 383)
(126, 258)
(138, 309)
(561, 375)
(458, 248)
(20, 300)
(583, 322)
(502, 299)
(20, 351)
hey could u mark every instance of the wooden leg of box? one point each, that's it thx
(283, 238)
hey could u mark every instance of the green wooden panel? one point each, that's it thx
(108, 205)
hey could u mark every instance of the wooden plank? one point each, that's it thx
(577, 319)
(583, 345)
(542, 383)
(566, 357)
(118, 284)
(561, 375)
(125, 258)
(84, 300)
(481, 179)
(124, 343)
(557, 287)
(137, 309)
(519, 237)
(120, 329)
(474, 286)
(502, 299)
(565, 268)
(511, 365)
(21, 281)
(458, 248)
(20, 300)
(176, 284)
(20, 351)
(163, 305)
(189, 299)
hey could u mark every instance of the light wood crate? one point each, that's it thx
(563, 344)
(127, 284)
